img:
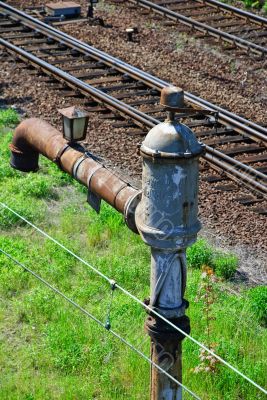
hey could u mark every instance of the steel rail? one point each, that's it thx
(238, 171)
(247, 127)
(200, 26)
(231, 169)
(234, 10)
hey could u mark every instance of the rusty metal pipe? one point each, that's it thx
(34, 136)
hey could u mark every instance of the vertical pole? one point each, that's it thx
(162, 388)
(90, 12)
(167, 290)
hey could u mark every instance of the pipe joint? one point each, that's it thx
(160, 331)
(130, 211)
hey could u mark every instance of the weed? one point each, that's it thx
(225, 265)
(66, 345)
(199, 254)
(258, 301)
(38, 186)
(233, 66)
(255, 4)
(8, 220)
(206, 293)
(9, 117)
(179, 45)
(109, 8)
(181, 40)
(152, 26)
(12, 278)
(252, 3)
(40, 303)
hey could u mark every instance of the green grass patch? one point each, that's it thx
(199, 254)
(48, 350)
(8, 117)
(202, 254)
(258, 303)
(225, 265)
(256, 4)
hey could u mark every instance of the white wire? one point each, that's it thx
(138, 301)
(88, 314)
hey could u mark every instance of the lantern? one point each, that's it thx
(75, 122)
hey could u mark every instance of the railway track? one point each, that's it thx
(212, 18)
(129, 97)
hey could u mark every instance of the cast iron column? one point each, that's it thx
(166, 219)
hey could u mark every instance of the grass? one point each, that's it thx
(48, 350)
(258, 302)
(201, 253)
(8, 117)
(257, 4)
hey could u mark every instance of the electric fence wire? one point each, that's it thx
(88, 314)
(234, 369)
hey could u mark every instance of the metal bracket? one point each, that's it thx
(94, 201)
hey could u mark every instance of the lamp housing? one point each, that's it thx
(75, 122)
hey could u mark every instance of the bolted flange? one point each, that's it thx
(160, 331)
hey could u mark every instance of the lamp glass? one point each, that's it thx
(67, 128)
(78, 128)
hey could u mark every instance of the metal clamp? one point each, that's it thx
(93, 199)
(57, 159)
(130, 209)
(77, 165)
(120, 189)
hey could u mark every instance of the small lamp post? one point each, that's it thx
(90, 12)
(75, 122)
(130, 32)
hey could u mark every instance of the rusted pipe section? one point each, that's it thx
(34, 136)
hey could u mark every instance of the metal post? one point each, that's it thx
(90, 11)
(166, 219)
(161, 386)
